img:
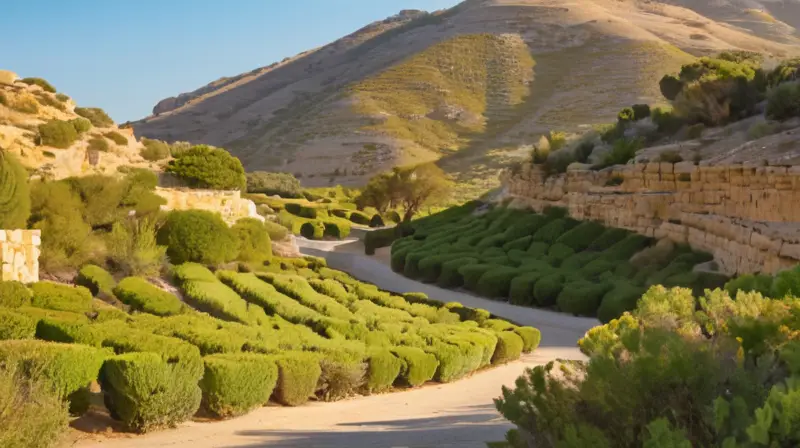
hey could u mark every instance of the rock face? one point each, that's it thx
(743, 214)
(19, 255)
(7, 77)
(229, 204)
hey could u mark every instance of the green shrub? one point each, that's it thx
(276, 231)
(336, 230)
(750, 283)
(145, 392)
(582, 236)
(376, 239)
(34, 416)
(451, 276)
(98, 144)
(298, 373)
(531, 337)
(547, 289)
(626, 248)
(519, 244)
(81, 125)
(14, 294)
(15, 325)
(302, 210)
(376, 221)
(623, 151)
(621, 298)
(417, 366)
(198, 236)
(521, 290)
(154, 150)
(581, 298)
(46, 86)
(383, 368)
(359, 218)
(15, 196)
(313, 230)
(95, 279)
(143, 296)
(393, 216)
(608, 238)
(236, 384)
(220, 301)
(558, 253)
(552, 231)
(116, 137)
(254, 243)
(284, 185)
(207, 167)
(784, 101)
(496, 283)
(97, 116)
(509, 347)
(58, 134)
(472, 273)
(59, 297)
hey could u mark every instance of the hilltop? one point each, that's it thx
(468, 85)
(55, 138)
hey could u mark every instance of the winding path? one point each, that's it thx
(459, 414)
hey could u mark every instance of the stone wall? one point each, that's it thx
(747, 216)
(227, 203)
(19, 255)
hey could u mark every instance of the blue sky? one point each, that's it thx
(124, 56)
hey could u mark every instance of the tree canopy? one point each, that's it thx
(207, 167)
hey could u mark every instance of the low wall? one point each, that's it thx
(19, 255)
(747, 216)
(227, 203)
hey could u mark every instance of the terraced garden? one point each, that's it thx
(231, 342)
(544, 260)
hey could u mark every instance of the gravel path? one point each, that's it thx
(459, 414)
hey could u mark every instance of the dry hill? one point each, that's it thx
(468, 85)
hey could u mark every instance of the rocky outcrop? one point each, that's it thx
(229, 204)
(743, 214)
(19, 255)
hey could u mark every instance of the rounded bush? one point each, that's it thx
(747, 283)
(538, 249)
(298, 373)
(81, 125)
(472, 273)
(417, 367)
(582, 236)
(521, 290)
(496, 283)
(531, 337)
(302, 210)
(626, 248)
(255, 245)
(46, 86)
(154, 150)
(15, 195)
(787, 283)
(558, 253)
(553, 230)
(518, 244)
(411, 265)
(581, 298)
(15, 325)
(509, 347)
(98, 144)
(547, 289)
(376, 221)
(235, 384)
(621, 298)
(496, 240)
(143, 296)
(54, 296)
(450, 276)
(206, 167)
(359, 218)
(116, 137)
(337, 230)
(597, 267)
(430, 267)
(383, 368)
(393, 216)
(198, 236)
(608, 238)
(314, 230)
(14, 294)
(58, 134)
(96, 279)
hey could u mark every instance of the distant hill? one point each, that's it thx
(468, 85)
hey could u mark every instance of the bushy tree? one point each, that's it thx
(784, 101)
(154, 150)
(15, 201)
(97, 116)
(198, 236)
(284, 185)
(411, 187)
(58, 134)
(254, 242)
(206, 167)
(133, 248)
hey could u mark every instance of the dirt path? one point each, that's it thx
(459, 414)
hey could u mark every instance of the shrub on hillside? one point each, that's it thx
(16, 325)
(46, 86)
(547, 289)
(298, 373)
(284, 185)
(621, 298)
(95, 279)
(784, 101)
(496, 283)
(786, 283)
(145, 392)
(558, 253)
(254, 244)
(97, 116)
(552, 231)
(451, 276)
(81, 125)
(336, 230)
(276, 231)
(581, 298)
(154, 150)
(198, 236)
(236, 384)
(207, 167)
(359, 218)
(133, 248)
(376, 221)
(116, 137)
(34, 416)
(58, 134)
(759, 283)
(15, 201)
(472, 274)
(58, 297)
(98, 144)
(622, 152)
(14, 294)
(580, 237)
(143, 296)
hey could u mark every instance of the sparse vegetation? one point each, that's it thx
(98, 144)
(81, 125)
(46, 86)
(58, 134)
(154, 150)
(97, 116)
(116, 137)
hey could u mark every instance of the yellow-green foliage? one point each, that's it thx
(464, 72)
(15, 201)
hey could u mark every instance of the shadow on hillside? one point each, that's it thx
(473, 428)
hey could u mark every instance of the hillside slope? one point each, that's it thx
(468, 84)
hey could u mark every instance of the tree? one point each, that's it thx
(377, 193)
(207, 167)
(283, 184)
(418, 185)
(199, 236)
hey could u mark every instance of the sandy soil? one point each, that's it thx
(459, 414)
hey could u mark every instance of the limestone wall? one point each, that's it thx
(747, 216)
(228, 203)
(19, 255)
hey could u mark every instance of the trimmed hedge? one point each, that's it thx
(547, 289)
(472, 274)
(254, 241)
(608, 238)
(581, 298)
(383, 368)
(145, 392)
(582, 236)
(14, 294)
(60, 297)
(235, 384)
(621, 298)
(417, 366)
(143, 296)
(531, 337)
(336, 230)
(15, 325)
(552, 231)
(376, 221)
(750, 283)
(301, 210)
(451, 276)
(521, 289)
(558, 253)
(496, 283)
(96, 279)
(312, 230)
(298, 373)
(359, 218)
(220, 301)
(198, 236)
(509, 347)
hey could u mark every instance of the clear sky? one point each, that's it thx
(125, 55)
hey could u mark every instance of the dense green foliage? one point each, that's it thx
(33, 415)
(545, 260)
(46, 86)
(58, 134)
(154, 150)
(206, 167)
(96, 279)
(143, 296)
(254, 241)
(784, 101)
(97, 116)
(236, 384)
(199, 236)
(15, 201)
(284, 185)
